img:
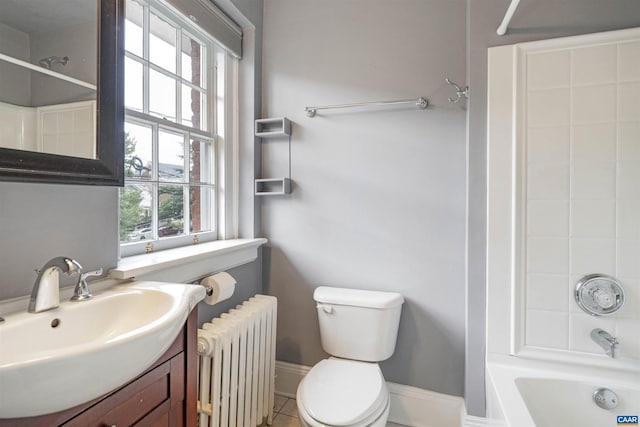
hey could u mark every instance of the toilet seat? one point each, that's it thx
(340, 392)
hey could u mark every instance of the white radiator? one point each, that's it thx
(237, 365)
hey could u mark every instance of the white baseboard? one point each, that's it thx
(410, 406)
(416, 407)
(288, 376)
(473, 421)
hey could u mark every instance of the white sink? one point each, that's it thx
(58, 359)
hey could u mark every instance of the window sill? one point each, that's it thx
(189, 262)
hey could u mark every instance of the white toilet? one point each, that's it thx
(359, 328)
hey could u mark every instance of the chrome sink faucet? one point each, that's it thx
(46, 293)
(606, 341)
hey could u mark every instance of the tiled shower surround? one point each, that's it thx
(582, 191)
(66, 129)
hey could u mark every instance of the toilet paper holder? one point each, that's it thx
(208, 288)
(219, 287)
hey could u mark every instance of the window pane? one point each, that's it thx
(193, 108)
(138, 154)
(162, 43)
(201, 205)
(133, 39)
(162, 96)
(170, 210)
(133, 83)
(171, 157)
(201, 162)
(135, 212)
(192, 61)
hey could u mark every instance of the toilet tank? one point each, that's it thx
(358, 324)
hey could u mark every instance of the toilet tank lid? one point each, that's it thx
(357, 297)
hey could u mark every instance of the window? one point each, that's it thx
(175, 108)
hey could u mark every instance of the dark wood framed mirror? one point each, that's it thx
(107, 167)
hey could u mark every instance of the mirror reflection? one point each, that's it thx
(48, 69)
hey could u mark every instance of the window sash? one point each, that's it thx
(209, 104)
(155, 181)
(183, 30)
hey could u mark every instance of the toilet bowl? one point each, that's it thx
(340, 392)
(359, 328)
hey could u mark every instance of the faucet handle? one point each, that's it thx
(97, 272)
(81, 291)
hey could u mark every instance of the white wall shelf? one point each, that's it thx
(46, 71)
(272, 128)
(272, 186)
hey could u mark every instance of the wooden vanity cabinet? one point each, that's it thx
(163, 396)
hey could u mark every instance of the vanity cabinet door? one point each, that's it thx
(153, 399)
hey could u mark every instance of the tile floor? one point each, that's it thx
(286, 413)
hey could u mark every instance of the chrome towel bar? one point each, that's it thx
(420, 103)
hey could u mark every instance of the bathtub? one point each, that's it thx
(531, 393)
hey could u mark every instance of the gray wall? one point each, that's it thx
(15, 85)
(533, 20)
(41, 221)
(29, 88)
(379, 194)
(79, 43)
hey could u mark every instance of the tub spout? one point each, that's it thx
(606, 341)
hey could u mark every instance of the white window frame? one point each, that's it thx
(221, 120)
